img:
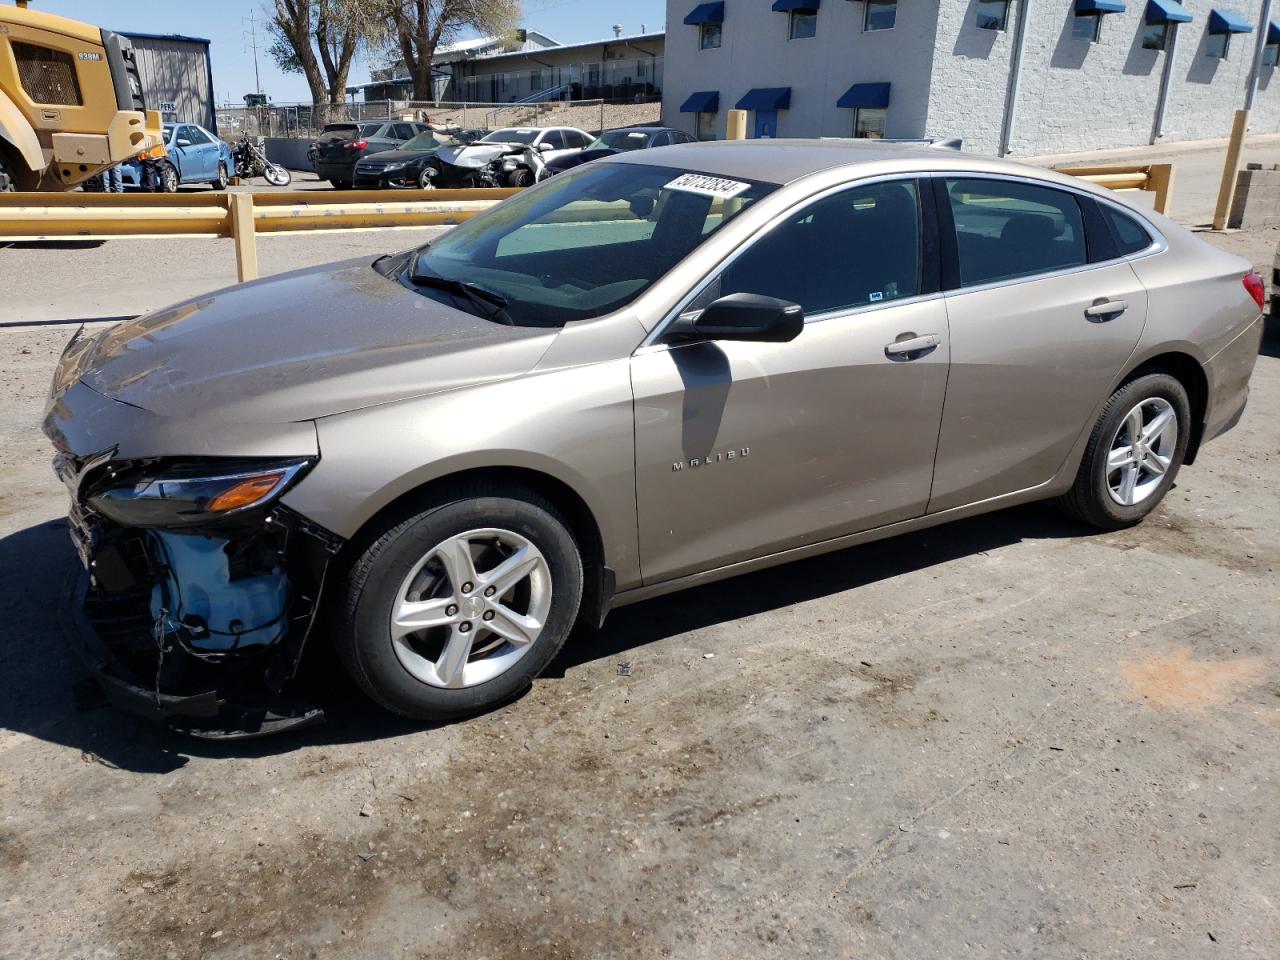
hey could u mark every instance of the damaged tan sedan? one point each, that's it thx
(652, 372)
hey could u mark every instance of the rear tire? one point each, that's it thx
(7, 183)
(340, 184)
(1120, 483)
(462, 662)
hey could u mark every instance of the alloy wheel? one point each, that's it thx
(1142, 451)
(471, 608)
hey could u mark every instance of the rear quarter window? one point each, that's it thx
(1130, 236)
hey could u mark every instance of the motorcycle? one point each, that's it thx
(484, 164)
(251, 161)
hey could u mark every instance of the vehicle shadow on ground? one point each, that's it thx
(1271, 337)
(46, 692)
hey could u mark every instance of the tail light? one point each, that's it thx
(356, 144)
(1257, 289)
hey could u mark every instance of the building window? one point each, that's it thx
(706, 129)
(1155, 36)
(993, 14)
(880, 15)
(804, 24)
(1271, 55)
(868, 123)
(1218, 45)
(1087, 27)
(709, 36)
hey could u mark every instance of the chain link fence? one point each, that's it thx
(304, 120)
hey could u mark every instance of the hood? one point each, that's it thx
(303, 345)
(475, 156)
(399, 156)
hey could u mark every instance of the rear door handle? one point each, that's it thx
(912, 348)
(1105, 310)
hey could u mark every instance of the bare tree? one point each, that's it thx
(320, 38)
(417, 27)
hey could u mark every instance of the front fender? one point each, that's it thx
(574, 425)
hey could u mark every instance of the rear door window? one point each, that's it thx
(855, 248)
(1007, 229)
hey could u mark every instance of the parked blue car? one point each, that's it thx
(195, 156)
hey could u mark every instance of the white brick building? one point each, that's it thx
(1092, 72)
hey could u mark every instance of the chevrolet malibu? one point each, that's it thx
(656, 371)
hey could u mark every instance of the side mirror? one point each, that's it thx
(744, 316)
(545, 147)
(184, 143)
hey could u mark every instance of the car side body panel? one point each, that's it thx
(744, 449)
(1011, 418)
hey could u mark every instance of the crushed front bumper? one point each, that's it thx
(153, 666)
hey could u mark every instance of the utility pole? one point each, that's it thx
(253, 41)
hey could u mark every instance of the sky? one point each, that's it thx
(227, 24)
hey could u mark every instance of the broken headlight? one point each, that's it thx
(168, 494)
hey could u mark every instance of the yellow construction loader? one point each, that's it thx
(71, 101)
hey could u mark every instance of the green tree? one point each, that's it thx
(414, 28)
(320, 38)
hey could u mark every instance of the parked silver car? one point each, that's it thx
(655, 371)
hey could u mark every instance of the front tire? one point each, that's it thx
(455, 610)
(1133, 454)
(223, 179)
(277, 175)
(520, 178)
(168, 178)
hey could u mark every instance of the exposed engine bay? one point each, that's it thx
(193, 614)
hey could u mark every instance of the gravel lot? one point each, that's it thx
(1007, 737)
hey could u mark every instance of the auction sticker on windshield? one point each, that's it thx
(707, 186)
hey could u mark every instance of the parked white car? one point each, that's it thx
(552, 142)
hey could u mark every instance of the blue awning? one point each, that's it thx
(865, 95)
(1228, 22)
(782, 6)
(1166, 11)
(704, 101)
(706, 13)
(1099, 6)
(766, 98)
(1273, 32)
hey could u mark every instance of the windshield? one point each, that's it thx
(585, 243)
(621, 140)
(512, 135)
(423, 141)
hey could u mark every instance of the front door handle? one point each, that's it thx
(913, 347)
(1105, 310)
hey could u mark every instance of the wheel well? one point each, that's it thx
(488, 481)
(1186, 370)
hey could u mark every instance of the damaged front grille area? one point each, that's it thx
(204, 626)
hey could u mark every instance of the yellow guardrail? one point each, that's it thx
(1154, 178)
(239, 216)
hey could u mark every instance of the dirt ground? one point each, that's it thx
(1007, 737)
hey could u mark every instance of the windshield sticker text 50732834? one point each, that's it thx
(707, 185)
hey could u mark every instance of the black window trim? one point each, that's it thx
(950, 252)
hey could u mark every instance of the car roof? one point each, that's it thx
(785, 161)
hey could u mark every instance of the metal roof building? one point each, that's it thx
(177, 76)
